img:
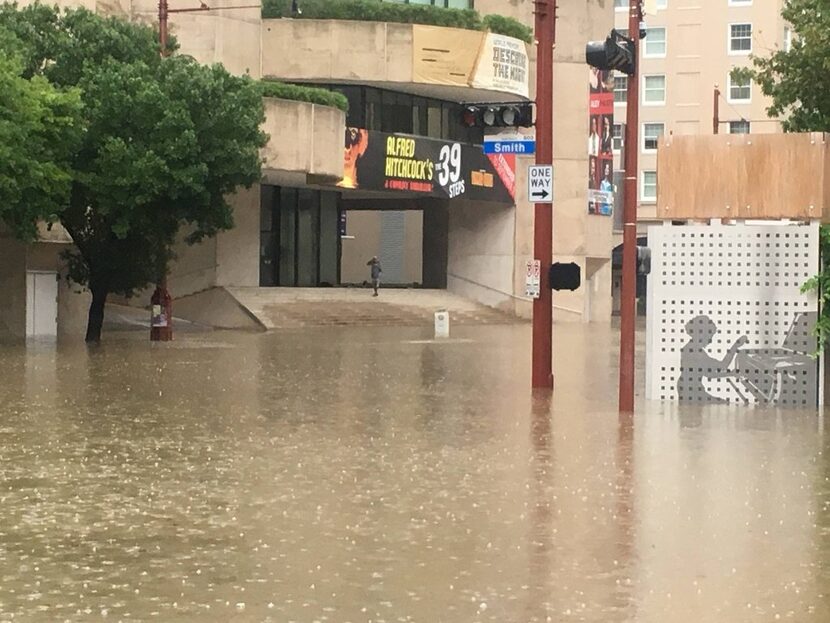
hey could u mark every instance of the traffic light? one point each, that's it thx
(616, 52)
(498, 115)
(565, 276)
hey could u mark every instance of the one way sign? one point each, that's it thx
(540, 183)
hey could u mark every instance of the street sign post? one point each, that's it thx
(540, 183)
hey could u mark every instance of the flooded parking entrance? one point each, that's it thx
(356, 475)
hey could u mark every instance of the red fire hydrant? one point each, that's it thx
(161, 317)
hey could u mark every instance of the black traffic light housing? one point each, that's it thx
(509, 115)
(616, 52)
(565, 276)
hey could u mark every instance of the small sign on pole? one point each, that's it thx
(533, 279)
(521, 147)
(540, 183)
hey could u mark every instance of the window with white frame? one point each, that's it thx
(661, 4)
(655, 43)
(739, 127)
(620, 89)
(620, 5)
(618, 137)
(651, 135)
(654, 90)
(740, 38)
(788, 39)
(648, 189)
(740, 2)
(740, 89)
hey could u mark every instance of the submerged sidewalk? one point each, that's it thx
(286, 308)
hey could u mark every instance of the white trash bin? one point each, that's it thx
(442, 323)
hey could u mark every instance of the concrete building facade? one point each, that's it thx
(691, 48)
(302, 226)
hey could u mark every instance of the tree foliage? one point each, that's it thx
(166, 140)
(40, 128)
(385, 11)
(301, 93)
(797, 79)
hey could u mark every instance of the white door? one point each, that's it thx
(41, 304)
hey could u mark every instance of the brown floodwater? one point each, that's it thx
(353, 475)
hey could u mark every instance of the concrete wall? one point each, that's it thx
(481, 252)
(331, 50)
(230, 37)
(305, 138)
(237, 250)
(440, 62)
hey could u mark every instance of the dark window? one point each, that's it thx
(390, 111)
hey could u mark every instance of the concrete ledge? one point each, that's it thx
(305, 138)
(431, 61)
(216, 308)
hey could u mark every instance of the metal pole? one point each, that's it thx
(716, 109)
(163, 27)
(542, 375)
(161, 301)
(629, 271)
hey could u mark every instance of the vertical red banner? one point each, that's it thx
(601, 143)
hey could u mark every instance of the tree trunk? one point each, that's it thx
(96, 315)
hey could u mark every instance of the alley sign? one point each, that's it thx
(540, 183)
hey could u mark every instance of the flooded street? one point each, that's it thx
(371, 475)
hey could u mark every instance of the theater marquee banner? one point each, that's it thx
(425, 166)
(482, 60)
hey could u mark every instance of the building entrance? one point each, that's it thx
(299, 237)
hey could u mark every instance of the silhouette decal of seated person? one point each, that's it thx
(696, 364)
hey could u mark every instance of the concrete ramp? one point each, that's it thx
(285, 308)
(216, 308)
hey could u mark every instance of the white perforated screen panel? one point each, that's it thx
(726, 319)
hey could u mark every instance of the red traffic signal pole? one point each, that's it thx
(628, 309)
(542, 375)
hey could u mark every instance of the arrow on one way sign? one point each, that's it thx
(540, 194)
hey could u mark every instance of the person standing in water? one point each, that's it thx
(375, 271)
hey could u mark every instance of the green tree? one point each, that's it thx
(40, 128)
(166, 141)
(797, 82)
(797, 79)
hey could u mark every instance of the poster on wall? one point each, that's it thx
(601, 143)
(502, 65)
(425, 166)
(471, 59)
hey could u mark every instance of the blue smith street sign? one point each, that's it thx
(510, 147)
